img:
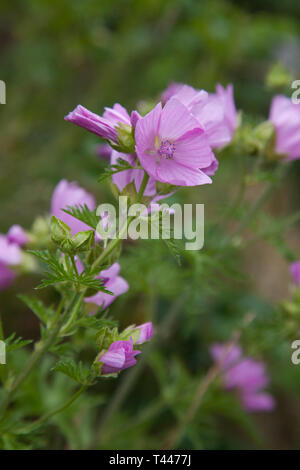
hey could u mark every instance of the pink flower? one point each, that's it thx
(225, 95)
(146, 332)
(17, 235)
(10, 255)
(285, 115)
(112, 281)
(123, 178)
(295, 272)
(215, 112)
(7, 276)
(172, 146)
(172, 89)
(103, 151)
(104, 126)
(117, 114)
(120, 356)
(92, 122)
(70, 194)
(245, 375)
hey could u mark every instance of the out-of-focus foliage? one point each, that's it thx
(56, 54)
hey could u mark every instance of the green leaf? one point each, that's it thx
(43, 312)
(12, 343)
(75, 371)
(62, 272)
(121, 165)
(84, 214)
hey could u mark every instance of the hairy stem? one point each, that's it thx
(112, 245)
(40, 349)
(36, 424)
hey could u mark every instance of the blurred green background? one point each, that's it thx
(56, 54)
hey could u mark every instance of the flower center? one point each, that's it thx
(167, 149)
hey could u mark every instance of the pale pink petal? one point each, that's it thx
(147, 130)
(176, 120)
(114, 359)
(117, 114)
(70, 194)
(192, 150)
(171, 172)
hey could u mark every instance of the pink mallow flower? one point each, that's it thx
(10, 255)
(285, 115)
(17, 235)
(172, 147)
(93, 122)
(215, 112)
(120, 356)
(123, 178)
(104, 126)
(112, 281)
(295, 272)
(70, 194)
(146, 332)
(245, 375)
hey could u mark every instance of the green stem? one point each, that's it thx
(112, 245)
(73, 314)
(258, 204)
(164, 329)
(41, 349)
(57, 328)
(36, 424)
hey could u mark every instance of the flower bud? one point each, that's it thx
(83, 241)
(59, 231)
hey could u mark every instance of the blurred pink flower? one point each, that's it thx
(103, 151)
(17, 235)
(120, 356)
(172, 146)
(7, 276)
(10, 252)
(285, 115)
(146, 332)
(70, 194)
(245, 375)
(295, 272)
(10, 255)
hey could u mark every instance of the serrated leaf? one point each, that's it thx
(84, 214)
(60, 272)
(75, 371)
(121, 165)
(37, 307)
(12, 343)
